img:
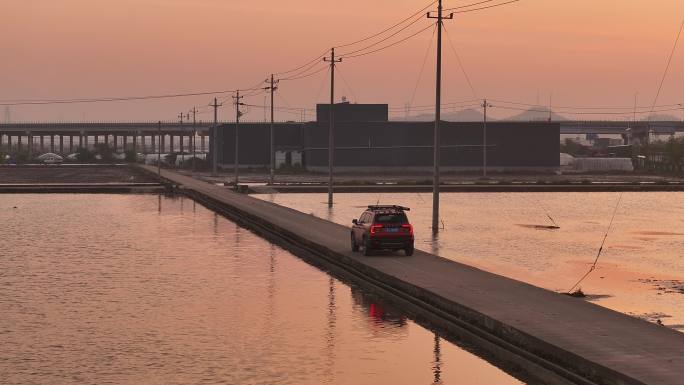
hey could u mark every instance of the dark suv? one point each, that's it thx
(382, 228)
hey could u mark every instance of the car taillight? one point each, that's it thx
(409, 227)
(374, 229)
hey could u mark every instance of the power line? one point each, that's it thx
(291, 110)
(482, 8)
(317, 59)
(308, 65)
(460, 63)
(422, 67)
(320, 88)
(283, 98)
(303, 71)
(429, 108)
(347, 85)
(468, 101)
(348, 54)
(667, 67)
(387, 29)
(470, 5)
(390, 45)
(112, 99)
(259, 91)
(307, 75)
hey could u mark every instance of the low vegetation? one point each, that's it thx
(663, 155)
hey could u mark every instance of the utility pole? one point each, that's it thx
(192, 141)
(159, 148)
(636, 94)
(237, 98)
(213, 145)
(438, 111)
(181, 139)
(331, 130)
(272, 88)
(484, 139)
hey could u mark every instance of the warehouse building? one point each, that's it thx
(366, 141)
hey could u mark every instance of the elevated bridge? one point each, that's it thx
(63, 137)
(636, 129)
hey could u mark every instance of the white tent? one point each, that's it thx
(50, 158)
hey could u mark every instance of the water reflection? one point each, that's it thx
(434, 244)
(382, 318)
(216, 219)
(388, 319)
(437, 363)
(330, 337)
(515, 235)
(183, 298)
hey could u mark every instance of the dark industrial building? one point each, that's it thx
(365, 140)
(347, 112)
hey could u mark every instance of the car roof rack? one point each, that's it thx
(388, 207)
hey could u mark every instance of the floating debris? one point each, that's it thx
(655, 317)
(539, 227)
(656, 233)
(577, 293)
(665, 286)
(626, 247)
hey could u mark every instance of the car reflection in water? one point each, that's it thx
(382, 317)
(386, 319)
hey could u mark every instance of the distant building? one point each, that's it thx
(366, 141)
(348, 112)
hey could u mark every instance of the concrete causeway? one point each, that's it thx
(579, 341)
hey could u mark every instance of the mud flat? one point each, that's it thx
(76, 179)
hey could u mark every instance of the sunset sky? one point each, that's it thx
(584, 52)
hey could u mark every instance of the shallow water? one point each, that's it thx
(640, 271)
(144, 289)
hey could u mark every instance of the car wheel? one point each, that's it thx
(366, 247)
(354, 245)
(408, 251)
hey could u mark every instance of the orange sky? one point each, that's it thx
(587, 52)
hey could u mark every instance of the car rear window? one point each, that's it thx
(398, 218)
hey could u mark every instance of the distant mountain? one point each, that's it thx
(535, 114)
(467, 115)
(532, 114)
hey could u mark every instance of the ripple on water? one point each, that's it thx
(505, 233)
(140, 289)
